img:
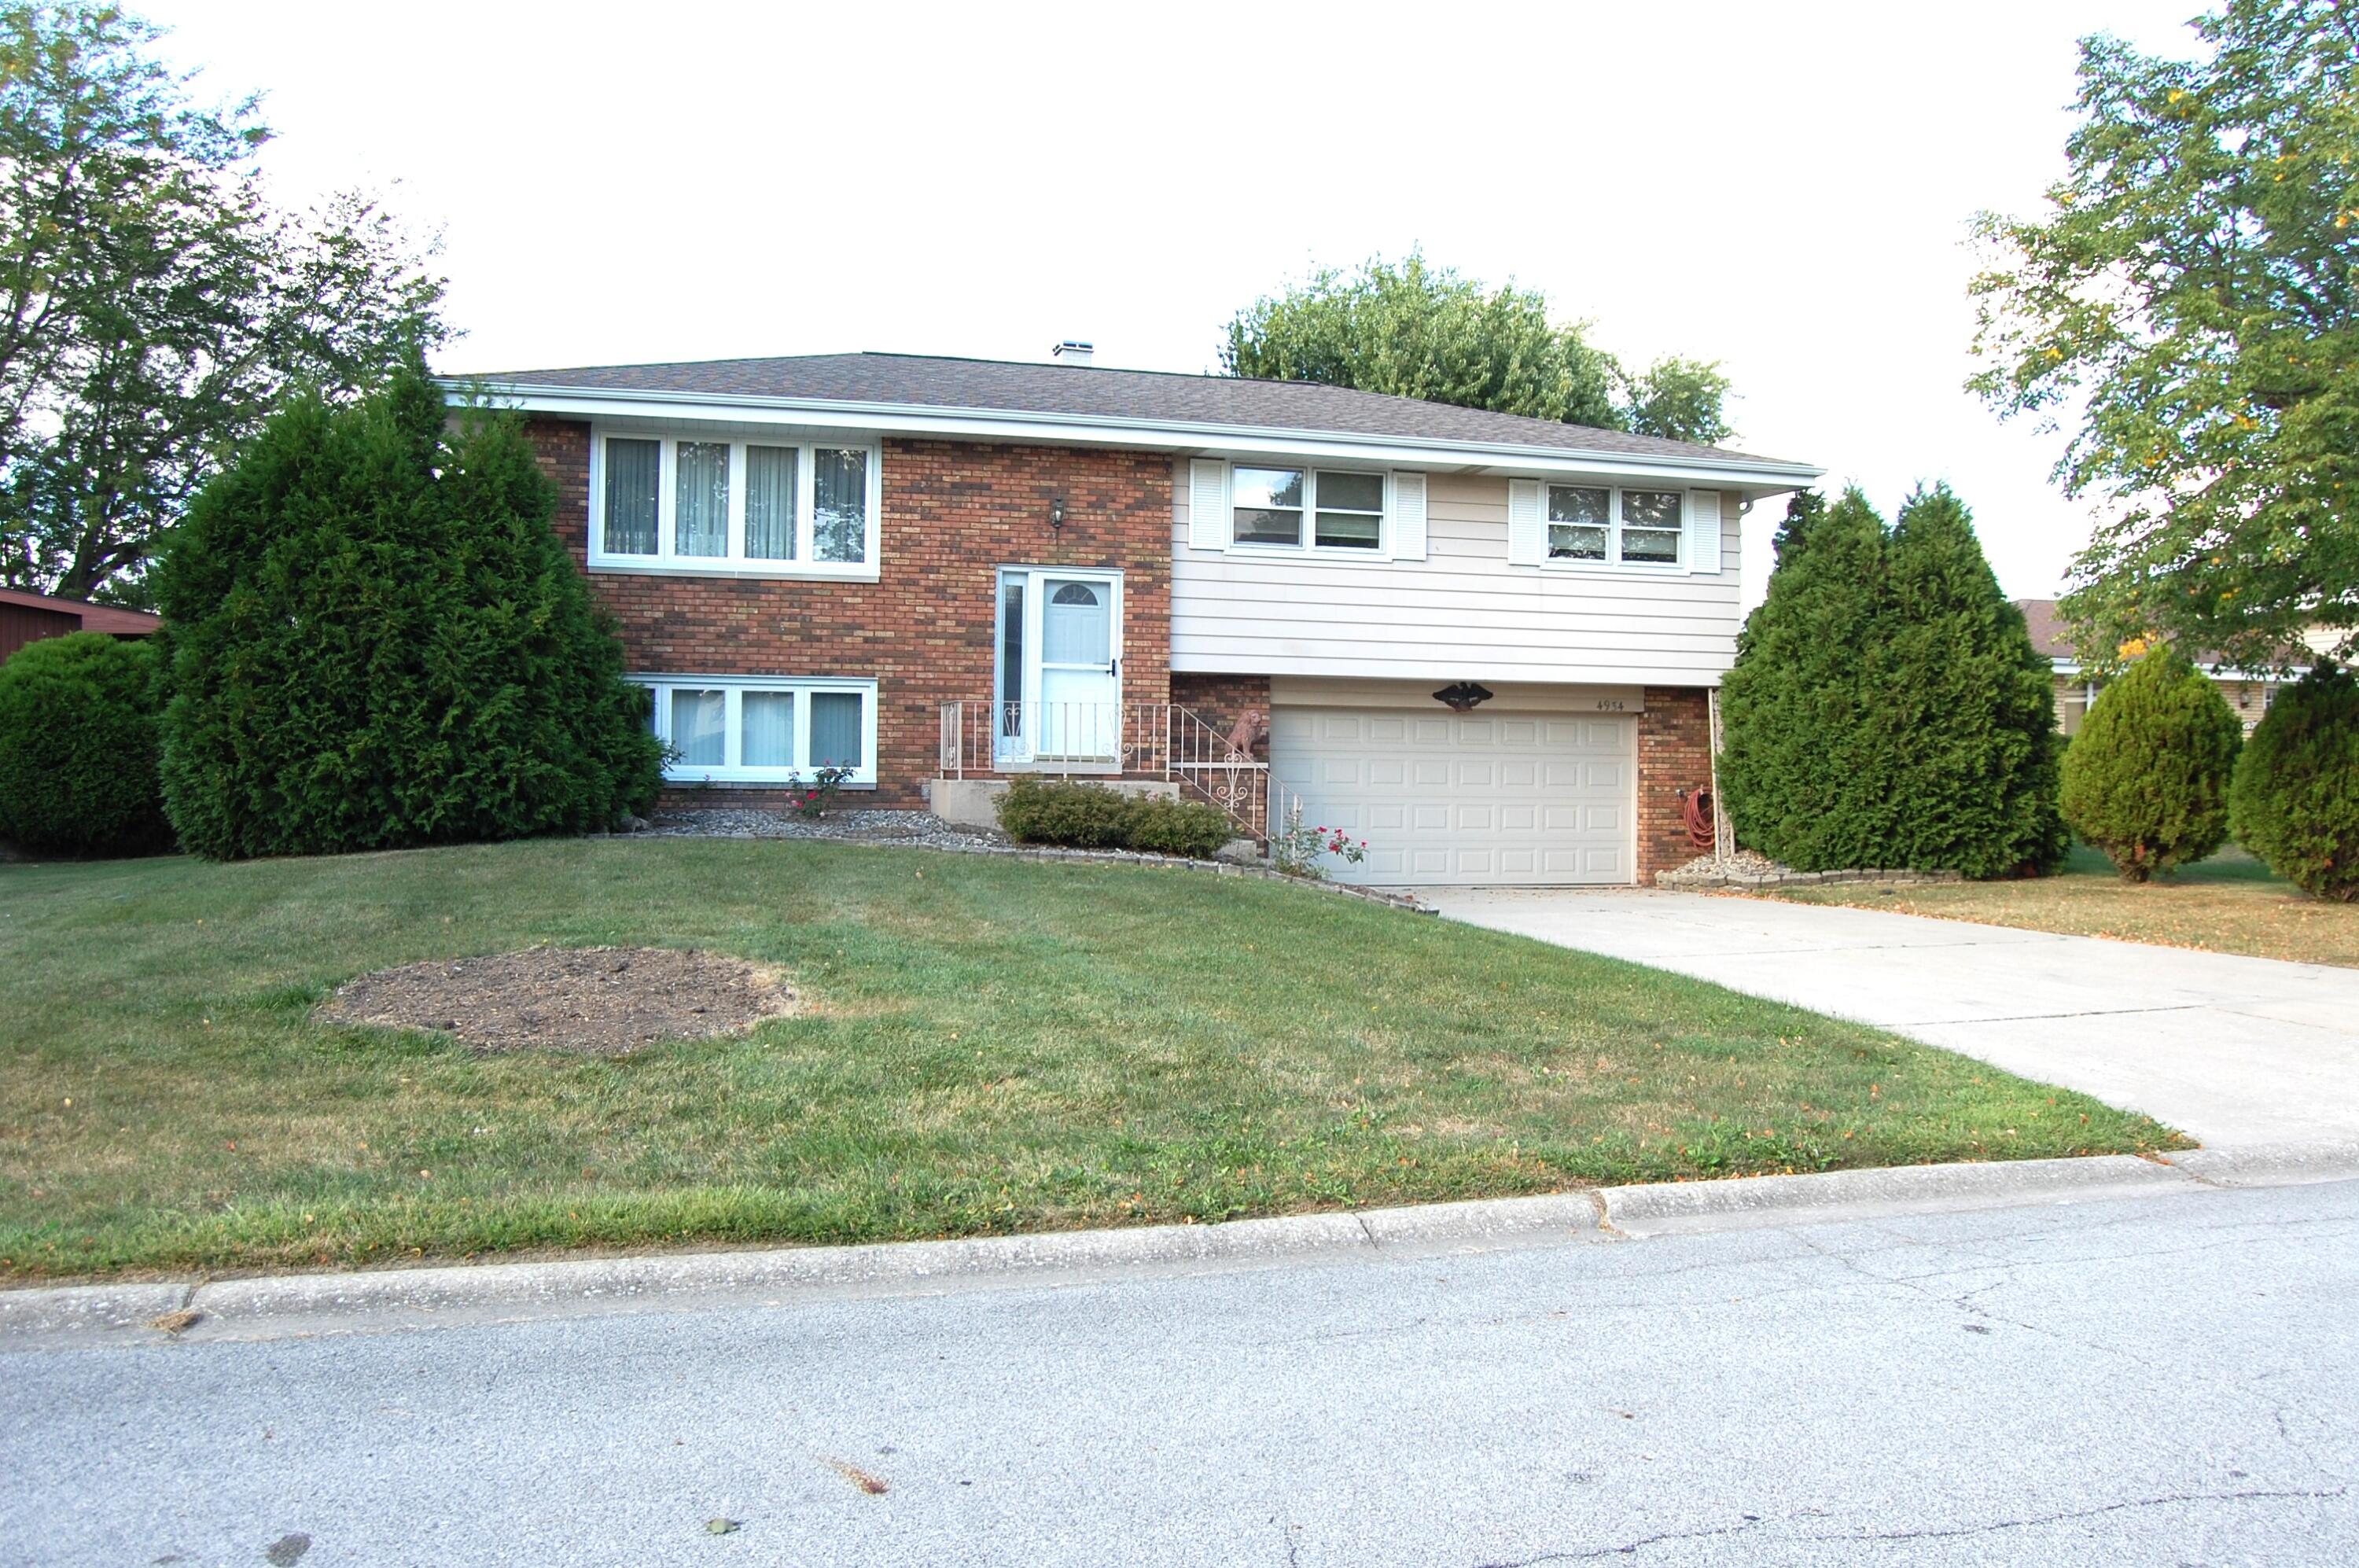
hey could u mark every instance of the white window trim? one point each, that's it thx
(1381, 550)
(736, 563)
(1676, 566)
(730, 771)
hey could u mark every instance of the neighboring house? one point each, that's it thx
(30, 618)
(1482, 642)
(2249, 694)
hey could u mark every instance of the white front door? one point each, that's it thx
(1060, 666)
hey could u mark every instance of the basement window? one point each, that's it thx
(740, 729)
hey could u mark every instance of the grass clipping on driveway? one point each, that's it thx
(983, 1045)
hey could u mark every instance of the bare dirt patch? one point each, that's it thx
(600, 1001)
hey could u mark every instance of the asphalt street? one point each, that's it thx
(2165, 1379)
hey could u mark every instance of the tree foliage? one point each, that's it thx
(2146, 779)
(376, 639)
(2188, 308)
(1887, 708)
(2295, 800)
(77, 748)
(154, 305)
(1418, 331)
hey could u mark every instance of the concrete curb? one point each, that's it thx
(289, 1305)
(1672, 1207)
(2270, 1165)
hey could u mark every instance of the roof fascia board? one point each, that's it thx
(986, 424)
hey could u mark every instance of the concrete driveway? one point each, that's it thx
(2228, 1050)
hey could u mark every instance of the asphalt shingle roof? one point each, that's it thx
(1088, 392)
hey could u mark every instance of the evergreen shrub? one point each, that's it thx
(1178, 827)
(375, 639)
(1090, 816)
(2294, 799)
(2146, 779)
(1886, 707)
(77, 748)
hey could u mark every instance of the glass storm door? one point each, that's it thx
(1061, 667)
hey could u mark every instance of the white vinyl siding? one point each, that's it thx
(1464, 609)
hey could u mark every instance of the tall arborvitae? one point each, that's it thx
(1797, 765)
(1887, 708)
(375, 639)
(1969, 708)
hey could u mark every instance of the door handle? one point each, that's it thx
(1114, 668)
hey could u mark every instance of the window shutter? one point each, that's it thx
(1527, 532)
(1208, 503)
(1703, 531)
(1408, 520)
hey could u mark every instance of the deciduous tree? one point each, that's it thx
(2188, 310)
(1418, 331)
(154, 303)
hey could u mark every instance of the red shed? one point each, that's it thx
(30, 618)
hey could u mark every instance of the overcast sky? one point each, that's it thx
(1784, 188)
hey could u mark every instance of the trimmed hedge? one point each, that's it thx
(376, 639)
(2146, 779)
(1089, 816)
(1178, 827)
(77, 748)
(2295, 800)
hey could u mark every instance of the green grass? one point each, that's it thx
(991, 1046)
(2230, 903)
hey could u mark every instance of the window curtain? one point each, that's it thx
(839, 505)
(769, 726)
(699, 727)
(835, 737)
(770, 503)
(700, 500)
(634, 478)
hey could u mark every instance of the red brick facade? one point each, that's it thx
(1218, 700)
(953, 514)
(1674, 755)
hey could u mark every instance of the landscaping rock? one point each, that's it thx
(920, 830)
(1748, 870)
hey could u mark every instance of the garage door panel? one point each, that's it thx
(1470, 799)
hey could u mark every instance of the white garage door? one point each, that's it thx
(1479, 798)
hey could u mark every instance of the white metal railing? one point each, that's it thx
(1154, 740)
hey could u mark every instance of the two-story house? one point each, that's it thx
(1483, 643)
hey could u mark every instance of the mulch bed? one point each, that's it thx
(598, 1001)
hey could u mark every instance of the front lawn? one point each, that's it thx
(990, 1045)
(2230, 903)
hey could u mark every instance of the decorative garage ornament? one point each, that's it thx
(1462, 697)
